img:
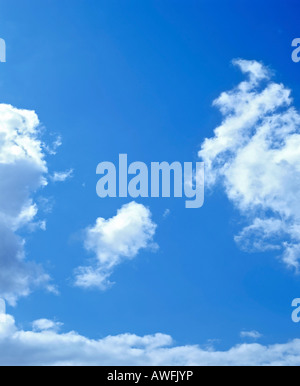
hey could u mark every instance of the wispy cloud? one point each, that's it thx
(250, 334)
(62, 176)
(167, 213)
(52, 148)
(114, 240)
(254, 154)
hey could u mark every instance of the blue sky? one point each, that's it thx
(140, 77)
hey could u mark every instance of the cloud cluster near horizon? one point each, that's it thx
(44, 345)
(254, 154)
(113, 241)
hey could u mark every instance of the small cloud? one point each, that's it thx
(46, 325)
(46, 204)
(52, 149)
(250, 334)
(62, 176)
(42, 225)
(166, 213)
(52, 289)
(114, 240)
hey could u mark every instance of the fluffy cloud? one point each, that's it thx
(114, 240)
(254, 154)
(46, 325)
(22, 171)
(45, 346)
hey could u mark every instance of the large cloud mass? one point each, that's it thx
(114, 240)
(255, 154)
(22, 170)
(44, 345)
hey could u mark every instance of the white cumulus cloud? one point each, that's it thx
(44, 345)
(114, 240)
(255, 155)
(22, 173)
